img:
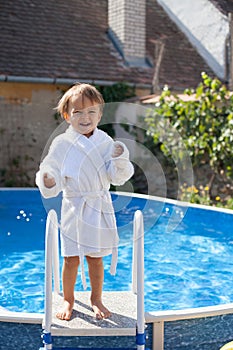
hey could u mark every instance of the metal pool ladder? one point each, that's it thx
(127, 321)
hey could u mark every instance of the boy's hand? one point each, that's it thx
(49, 181)
(117, 151)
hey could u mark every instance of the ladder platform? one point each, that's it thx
(123, 306)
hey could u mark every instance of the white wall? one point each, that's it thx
(205, 26)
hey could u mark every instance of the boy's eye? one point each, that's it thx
(80, 113)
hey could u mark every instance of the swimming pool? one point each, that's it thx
(190, 266)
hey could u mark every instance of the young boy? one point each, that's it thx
(82, 163)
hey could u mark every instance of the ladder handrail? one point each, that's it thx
(56, 260)
(51, 268)
(138, 275)
(52, 273)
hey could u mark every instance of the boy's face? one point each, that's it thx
(83, 115)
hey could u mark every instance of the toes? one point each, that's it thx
(59, 315)
(67, 317)
(107, 314)
(66, 311)
(64, 315)
(101, 312)
(97, 312)
(99, 316)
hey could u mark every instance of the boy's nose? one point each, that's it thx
(85, 114)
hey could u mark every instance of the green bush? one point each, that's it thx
(204, 123)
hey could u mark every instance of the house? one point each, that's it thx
(207, 26)
(48, 45)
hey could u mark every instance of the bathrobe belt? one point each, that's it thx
(90, 195)
(87, 194)
(105, 207)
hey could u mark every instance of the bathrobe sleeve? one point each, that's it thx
(51, 165)
(120, 169)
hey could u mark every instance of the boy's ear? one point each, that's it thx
(65, 115)
(100, 115)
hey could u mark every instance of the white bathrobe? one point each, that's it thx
(83, 169)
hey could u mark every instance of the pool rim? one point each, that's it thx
(150, 316)
(143, 196)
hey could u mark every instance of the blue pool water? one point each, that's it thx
(189, 266)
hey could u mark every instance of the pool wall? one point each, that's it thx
(22, 331)
(205, 328)
(197, 329)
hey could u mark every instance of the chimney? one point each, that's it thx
(127, 29)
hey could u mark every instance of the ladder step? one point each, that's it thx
(123, 306)
(91, 349)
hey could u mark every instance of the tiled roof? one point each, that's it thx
(225, 6)
(181, 64)
(60, 39)
(152, 99)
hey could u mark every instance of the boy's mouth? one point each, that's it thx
(82, 124)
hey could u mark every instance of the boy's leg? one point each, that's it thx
(69, 275)
(96, 274)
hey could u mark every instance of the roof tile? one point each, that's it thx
(59, 39)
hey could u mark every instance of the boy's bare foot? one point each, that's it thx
(66, 312)
(100, 310)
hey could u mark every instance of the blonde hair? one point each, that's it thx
(85, 90)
